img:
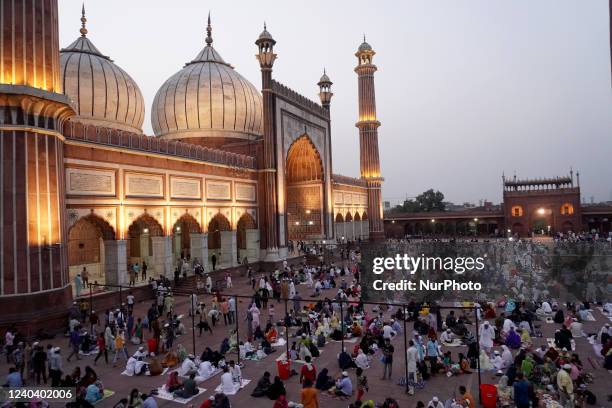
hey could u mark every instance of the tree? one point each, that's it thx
(430, 200)
(427, 201)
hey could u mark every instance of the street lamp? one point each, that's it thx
(475, 226)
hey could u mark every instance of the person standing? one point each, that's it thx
(55, 367)
(565, 386)
(231, 303)
(144, 271)
(412, 355)
(432, 355)
(85, 277)
(78, 284)
(75, 342)
(102, 350)
(310, 395)
(132, 272)
(387, 350)
(120, 347)
(521, 391)
(130, 301)
(213, 260)
(39, 362)
(362, 383)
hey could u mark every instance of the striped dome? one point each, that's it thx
(105, 95)
(207, 99)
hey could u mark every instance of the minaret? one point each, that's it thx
(269, 242)
(368, 138)
(34, 286)
(325, 93)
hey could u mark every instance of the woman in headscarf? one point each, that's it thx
(506, 356)
(324, 380)
(525, 338)
(173, 383)
(513, 340)
(276, 389)
(504, 392)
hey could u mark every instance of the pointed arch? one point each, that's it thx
(348, 217)
(304, 176)
(364, 216)
(357, 217)
(217, 224)
(339, 217)
(303, 161)
(146, 225)
(245, 222)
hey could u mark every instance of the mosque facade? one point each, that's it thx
(235, 170)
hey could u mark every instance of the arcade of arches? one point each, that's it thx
(93, 245)
(351, 227)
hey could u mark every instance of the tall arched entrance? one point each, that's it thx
(86, 250)
(247, 238)
(304, 175)
(221, 242)
(182, 231)
(146, 243)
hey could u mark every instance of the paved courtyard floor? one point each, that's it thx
(440, 385)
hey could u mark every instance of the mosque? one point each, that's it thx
(234, 170)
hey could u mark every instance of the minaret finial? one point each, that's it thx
(364, 39)
(83, 29)
(209, 39)
(265, 28)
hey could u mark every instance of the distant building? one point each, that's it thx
(548, 205)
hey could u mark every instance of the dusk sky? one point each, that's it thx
(465, 90)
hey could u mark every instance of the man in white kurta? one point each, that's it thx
(227, 383)
(188, 367)
(487, 335)
(412, 355)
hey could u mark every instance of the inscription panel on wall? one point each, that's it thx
(181, 187)
(90, 182)
(338, 197)
(218, 190)
(144, 185)
(245, 192)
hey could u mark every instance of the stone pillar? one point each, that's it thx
(115, 262)
(252, 245)
(340, 230)
(229, 249)
(162, 256)
(35, 287)
(199, 249)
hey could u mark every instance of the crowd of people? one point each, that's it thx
(496, 333)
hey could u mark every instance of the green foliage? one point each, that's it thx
(427, 201)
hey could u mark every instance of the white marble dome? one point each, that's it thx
(104, 94)
(207, 99)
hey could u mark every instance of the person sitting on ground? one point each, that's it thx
(345, 361)
(205, 369)
(188, 367)
(344, 386)
(324, 380)
(173, 383)
(227, 382)
(189, 388)
(263, 386)
(93, 393)
(276, 389)
(155, 367)
(271, 334)
(447, 337)
(267, 347)
(170, 359)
